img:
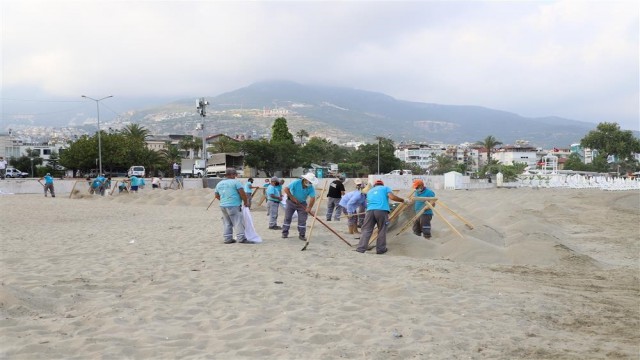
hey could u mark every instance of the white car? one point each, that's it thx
(400, 172)
(136, 171)
(15, 173)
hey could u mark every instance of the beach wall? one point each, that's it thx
(396, 182)
(64, 186)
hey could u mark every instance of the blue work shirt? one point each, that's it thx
(134, 180)
(353, 200)
(247, 188)
(228, 191)
(301, 193)
(98, 181)
(419, 204)
(48, 179)
(378, 198)
(275, 191)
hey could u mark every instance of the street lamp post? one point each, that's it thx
(378, 155)
(201, 106)
(99, 140)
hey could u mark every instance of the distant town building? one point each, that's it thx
(511, 154)
(421, 155)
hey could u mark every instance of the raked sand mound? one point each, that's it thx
(542, 274)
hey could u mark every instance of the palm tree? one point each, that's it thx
(136, 132)
(489, 143)
(188, 143)
(444, 164)
(302, 134)
(224, 144)
(171, 153)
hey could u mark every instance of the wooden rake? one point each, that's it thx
(324, 189)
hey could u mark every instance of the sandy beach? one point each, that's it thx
(543, 274)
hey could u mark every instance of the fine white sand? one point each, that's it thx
(543, 274)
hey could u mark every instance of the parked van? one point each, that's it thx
(136, 171)
(15, 173)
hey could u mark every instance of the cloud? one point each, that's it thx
(566, 58)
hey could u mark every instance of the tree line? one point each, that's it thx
(122, 149)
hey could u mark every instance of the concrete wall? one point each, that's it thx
(63, 187)
(396, 182)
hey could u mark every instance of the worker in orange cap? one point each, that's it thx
(422, 225)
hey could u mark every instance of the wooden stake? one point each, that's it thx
(443, 218)
(468, 224)
(73, 188)
(314, 217)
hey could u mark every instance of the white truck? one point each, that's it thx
(193, 168)
(218, 163)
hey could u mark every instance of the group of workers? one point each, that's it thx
(367, 207)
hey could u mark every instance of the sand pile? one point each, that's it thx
(542, 274)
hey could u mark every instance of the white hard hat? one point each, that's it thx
(311, 178)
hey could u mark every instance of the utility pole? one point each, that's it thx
(99, 140)
(201, 106)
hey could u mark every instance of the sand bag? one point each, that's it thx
(249, 231)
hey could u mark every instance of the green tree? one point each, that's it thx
(260, 154)
(599, 164)
(608, 139)
(461, 168)
(444, 164)
(415, 168)
(25, 162)
(169, 155)
(198, 150)
(119, 152)
(285, 156)
(315, 151)
(574, 162)
(489, 143)
(280, 132)
(52, 163)
(379, 153)
(153, 161)
(81, 154)
(284, 149)
(54, 159)
(302, 134)
(224, 144)
(511, 172)
(353, 169)
(136, 132)
(188, 143)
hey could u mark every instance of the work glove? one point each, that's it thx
(408, 201)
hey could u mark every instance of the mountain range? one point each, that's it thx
(344, 114)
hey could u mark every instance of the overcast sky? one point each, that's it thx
(574, 59)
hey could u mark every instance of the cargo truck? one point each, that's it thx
(218, 163)
(193, 168)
